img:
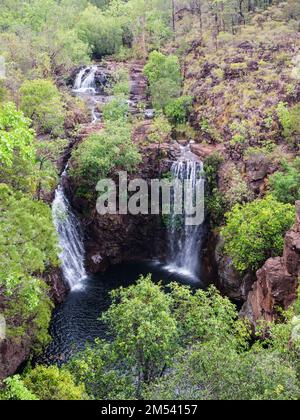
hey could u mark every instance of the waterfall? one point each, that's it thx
(184, 240)
(70, 240)
(85, 80)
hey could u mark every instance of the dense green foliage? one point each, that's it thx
(117, 109)
(27, 247)
(102, 33)
(290, 120)
(164, 76)
(41, 101)
(255, 232)
(285, 184)
(101, 153)
(149, 328)
(178, 109)
(44, 383)
(174, 344)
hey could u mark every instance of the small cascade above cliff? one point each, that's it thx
(85, 80)
(90, 85)
(185, 240)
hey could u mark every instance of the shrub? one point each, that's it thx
(255, 232)
(161, 66)
(41, 101)
(178, 109)
(16, 390)
(213, 198)
(290, 121)
(116, 109)
(52, 383)
(27, 246)
(122, 83)
(16, 137)
(102, 152)
(160, 130)
(285, 184)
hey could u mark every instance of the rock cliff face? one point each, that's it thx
(111, 239)
(277, 281)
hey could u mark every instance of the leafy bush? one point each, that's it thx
(102, 152)
(16, 390)
(255, 232)
(214, 200)
(161, 66)
(163, 91)
(27, 245)
(285, 184)
(213, 371)
(103, 33)
(116, 109)
(121, 83)
(178, 109)
(290, 121)
(160, 130)
(41, 101)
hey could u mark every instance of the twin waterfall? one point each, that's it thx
(184, 240)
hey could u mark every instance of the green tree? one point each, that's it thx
(42, 102)
(103, 33)
(216, 371)
(149, 327)
(48, 153)
(164, 76)
(289, 119)
(255, 232)
(16, 390)
(17, 150)
(117, 109)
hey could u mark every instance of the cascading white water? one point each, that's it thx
(85, 86)
(85, 80)
(70, 241)
(185, 240)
